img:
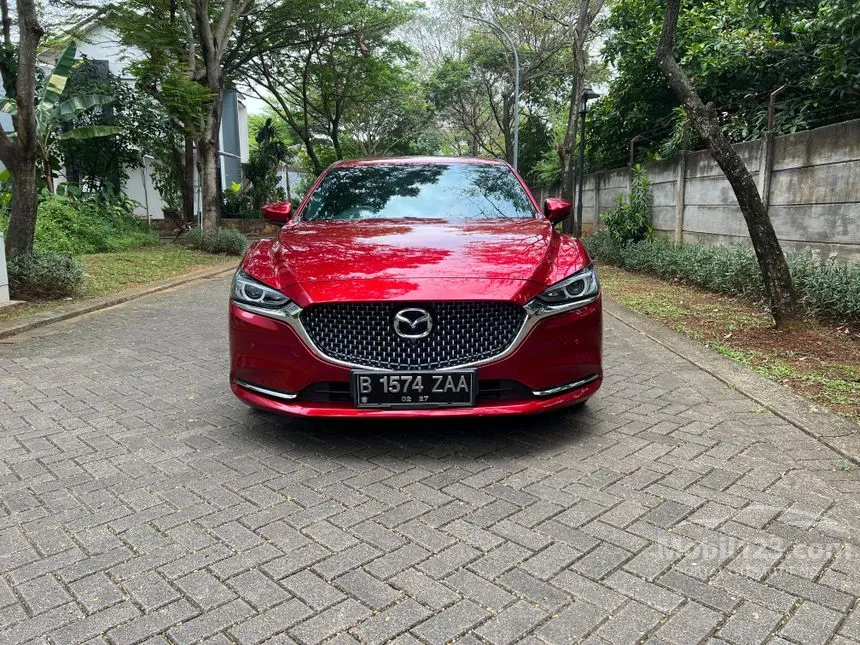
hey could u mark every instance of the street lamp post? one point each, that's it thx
(587, 95)
(498, 29)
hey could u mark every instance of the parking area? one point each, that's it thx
(140, 502)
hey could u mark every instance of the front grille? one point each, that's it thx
(363, 333)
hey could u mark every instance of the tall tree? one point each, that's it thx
(774, 268)
(737, 52)
(169, 71)
(471, 73)
(460, 102)
(391, 113)
(18, 153)
(211, 25)
(585, 12)
(340, 55)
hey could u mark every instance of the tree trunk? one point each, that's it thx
(210, 176)
(22, 223)
(566, 149)
(49, 173)
(188, 180)
(312, 155)
(774, 268)
(19, 156)
(335, 139)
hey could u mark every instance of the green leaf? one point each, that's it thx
(57, 82)
(71, 108)
(8, 106)
(89, 132)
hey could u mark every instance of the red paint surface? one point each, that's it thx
(416, 260)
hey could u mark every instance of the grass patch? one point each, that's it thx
(108, 273)
(820, 362)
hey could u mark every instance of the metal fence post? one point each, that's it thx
(765, 168)
(680, 190)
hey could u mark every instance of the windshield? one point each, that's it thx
(457, 191)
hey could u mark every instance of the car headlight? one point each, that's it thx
(580, 288)
(253, 292)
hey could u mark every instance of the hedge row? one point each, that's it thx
(222, 240)
(824, 288)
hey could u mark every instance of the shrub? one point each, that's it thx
(628, 222)
(223, 240)
(824, 287)
(76, 224)
(44, 275)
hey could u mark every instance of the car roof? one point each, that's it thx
(418, 160)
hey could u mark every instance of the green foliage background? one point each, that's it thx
(736, 53)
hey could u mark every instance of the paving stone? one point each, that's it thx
(573, 624)
(210, 623)
(490, 596)
(581, 588)
(750, 624)
(811, 624)
(550, 561)
(152, 623)
(692, 623)
(271, 622)
(651, 594)
(334, 620)
(259, 590)
(424, 588)
(392, 621)
(369, 590)
(631, 624)
(600, 562)
(43, 593)
(537, 592)
(96, 592)
(145, 504)
(452, 622)
(511, 624)
(315, 592)
(92, 625)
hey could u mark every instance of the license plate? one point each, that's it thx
(414, 389)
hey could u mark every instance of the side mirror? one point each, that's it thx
(277, 213)
(556, 210)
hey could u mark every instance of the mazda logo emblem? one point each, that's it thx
(413, 323)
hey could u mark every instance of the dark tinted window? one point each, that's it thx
(448, 191)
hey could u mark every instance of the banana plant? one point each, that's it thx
(52, 113)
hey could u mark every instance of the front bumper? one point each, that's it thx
(556, 364)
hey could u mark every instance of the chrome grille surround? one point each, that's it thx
(464, 333)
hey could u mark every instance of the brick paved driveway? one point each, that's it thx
(140, 502)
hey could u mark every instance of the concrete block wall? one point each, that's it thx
(814, 194)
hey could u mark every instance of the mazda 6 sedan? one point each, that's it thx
(416, 287)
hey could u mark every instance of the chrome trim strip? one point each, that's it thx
(286, 396)
(558, 389)
(535, 312)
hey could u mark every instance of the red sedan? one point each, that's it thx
(416, 287)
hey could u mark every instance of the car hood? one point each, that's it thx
(399, 258)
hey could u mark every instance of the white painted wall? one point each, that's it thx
(100, 43)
